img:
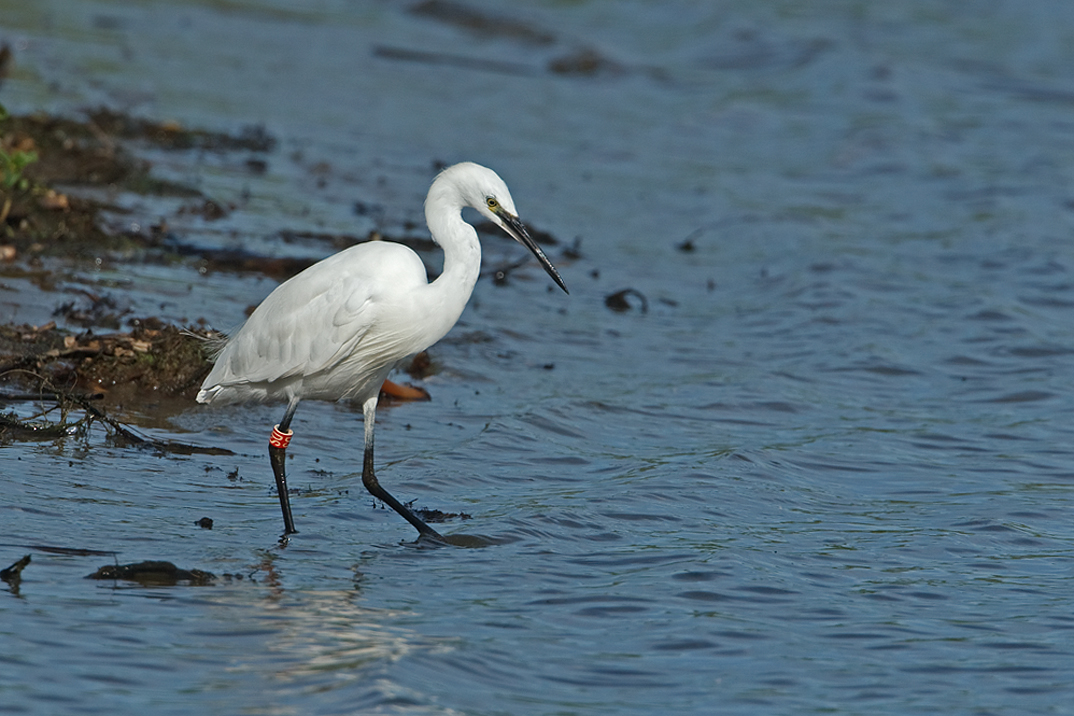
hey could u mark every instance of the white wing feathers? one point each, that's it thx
(302, 338)
(307, 325)
(315, 321)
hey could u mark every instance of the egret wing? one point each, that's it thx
(308, 328)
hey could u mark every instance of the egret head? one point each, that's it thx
(481, 188)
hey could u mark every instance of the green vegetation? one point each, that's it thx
(13, 161)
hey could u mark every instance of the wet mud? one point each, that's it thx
(42, 152)
(151, 357)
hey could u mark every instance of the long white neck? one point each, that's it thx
(462, 250)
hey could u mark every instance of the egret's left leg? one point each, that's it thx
(369, 479)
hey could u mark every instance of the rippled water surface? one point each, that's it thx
(830, 469)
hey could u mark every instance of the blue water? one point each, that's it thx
(830, 469)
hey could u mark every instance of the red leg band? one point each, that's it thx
(280, 440)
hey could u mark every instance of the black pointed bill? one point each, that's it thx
(518, 232)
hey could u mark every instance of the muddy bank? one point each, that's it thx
(46, 162)
(150, 358)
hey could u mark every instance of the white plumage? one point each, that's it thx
(338, 328)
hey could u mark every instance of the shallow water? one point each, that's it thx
(828, 470)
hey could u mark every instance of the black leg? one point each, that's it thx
(278, 441)
(369, 478)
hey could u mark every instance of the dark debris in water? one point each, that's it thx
(153, 574)
(619, 302)
(13, 574)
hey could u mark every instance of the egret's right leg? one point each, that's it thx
(369, 479)
(278, 441)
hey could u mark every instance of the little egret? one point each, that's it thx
(337, 329)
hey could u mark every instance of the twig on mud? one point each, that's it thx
(65, 400)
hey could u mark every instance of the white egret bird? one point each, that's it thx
(337, 329)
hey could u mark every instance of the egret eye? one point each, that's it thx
(491, 203)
